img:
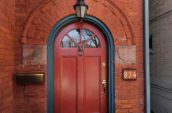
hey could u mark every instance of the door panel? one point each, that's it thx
(92, 86)
(81, 85)
(68, 85)
(79, 69)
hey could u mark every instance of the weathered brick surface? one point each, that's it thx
(34, 21)
(6, 55)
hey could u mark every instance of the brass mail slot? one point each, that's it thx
(30, 78)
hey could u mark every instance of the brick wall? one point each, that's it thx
(6, 55)
(34, 21)
(161, 58)
(27, 98)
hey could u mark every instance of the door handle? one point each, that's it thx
(104, 84)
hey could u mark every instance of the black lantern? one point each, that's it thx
(81, 8)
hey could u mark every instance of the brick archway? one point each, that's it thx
(46, 15)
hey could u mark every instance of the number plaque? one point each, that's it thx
(129, 74)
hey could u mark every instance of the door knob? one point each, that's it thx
(104, 84)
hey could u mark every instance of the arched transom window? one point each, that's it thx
(80, 38)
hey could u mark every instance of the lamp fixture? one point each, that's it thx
(81, 8)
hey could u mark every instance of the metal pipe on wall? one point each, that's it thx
(146, 57)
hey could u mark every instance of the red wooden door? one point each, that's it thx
(80, 70)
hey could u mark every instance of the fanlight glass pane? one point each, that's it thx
(86, 35)
(93, 43)
(78, 37)
(90, 40)
(74, 35)
(67, 43)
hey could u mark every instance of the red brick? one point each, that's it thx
(34, 19)
(6, 55)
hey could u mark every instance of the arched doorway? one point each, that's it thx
(80, 63)
(80, 71)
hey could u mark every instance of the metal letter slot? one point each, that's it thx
(30, 78)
